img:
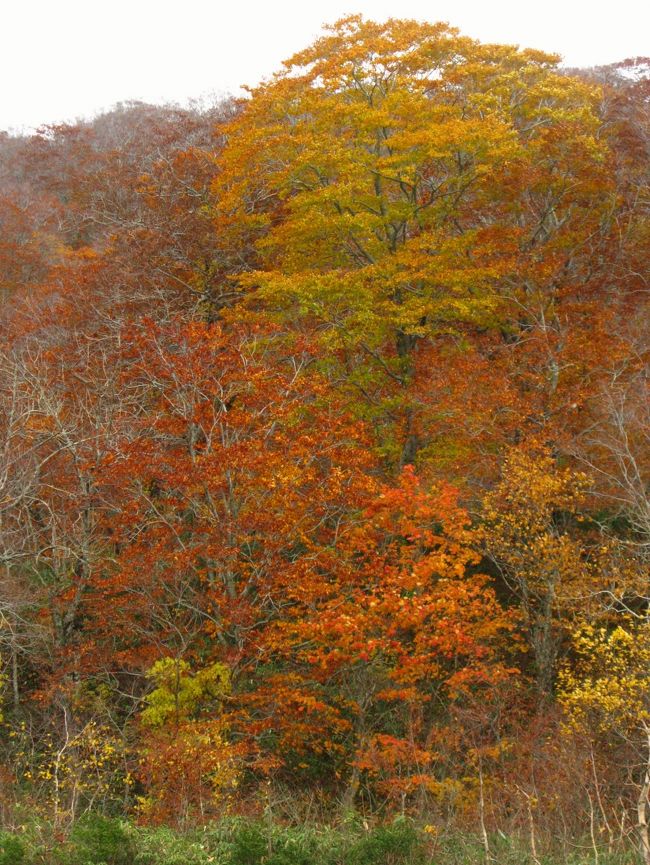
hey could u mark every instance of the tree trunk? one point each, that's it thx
(642, 805)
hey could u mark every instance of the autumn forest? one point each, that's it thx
(325, 467)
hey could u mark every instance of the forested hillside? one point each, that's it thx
(325, 457)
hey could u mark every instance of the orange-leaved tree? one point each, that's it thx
(384, 638)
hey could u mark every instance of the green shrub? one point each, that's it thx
(295, 847)
(12, 851)
(163, 846)
(97, 840)
(248, 845)
(396, 844)
(258, 844)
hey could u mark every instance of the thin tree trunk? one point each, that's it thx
(14, 679)
(642, 805)
(481, 803)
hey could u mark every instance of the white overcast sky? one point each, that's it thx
(65, 59)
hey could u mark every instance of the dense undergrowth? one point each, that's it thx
(98, 840)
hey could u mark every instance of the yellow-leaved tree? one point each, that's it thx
(398, 180)
(528, 530)
(606, 692)
(188, 764)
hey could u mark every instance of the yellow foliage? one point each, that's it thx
(377, 146)
(179, 692)
(608, 686)
(523, 534)
(87, 765)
